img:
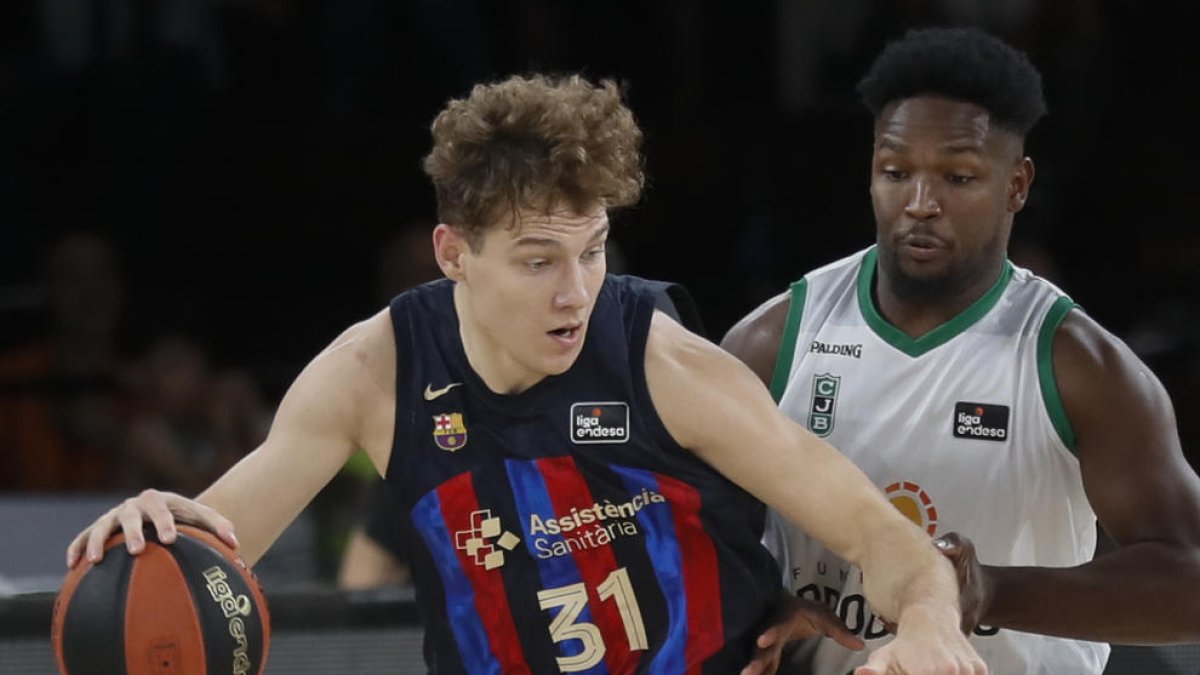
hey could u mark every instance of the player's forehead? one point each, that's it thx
(949, 124)
(557, 226)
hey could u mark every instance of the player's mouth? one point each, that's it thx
(922, 247)
(568, 335)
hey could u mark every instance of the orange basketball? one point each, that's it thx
(188, 608)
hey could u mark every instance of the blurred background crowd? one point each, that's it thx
(197, 195)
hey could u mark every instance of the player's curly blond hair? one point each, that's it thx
(533, 142)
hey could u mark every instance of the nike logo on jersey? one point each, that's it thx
(433, 394)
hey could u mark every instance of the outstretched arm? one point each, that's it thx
(1145, 495)
(715, 406)
(320, 422)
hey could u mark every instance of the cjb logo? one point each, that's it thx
(823, 406)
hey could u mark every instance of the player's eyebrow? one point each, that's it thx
(955, 147)
(535, 240)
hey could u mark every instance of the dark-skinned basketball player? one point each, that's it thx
(581, 471)
(978, 396)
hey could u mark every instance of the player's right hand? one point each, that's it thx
(974, 587)
(797, 619)
(162, 509)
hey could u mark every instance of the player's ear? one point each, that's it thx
(449, 246)
(1018, 184)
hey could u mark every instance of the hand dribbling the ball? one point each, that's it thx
(162, 509)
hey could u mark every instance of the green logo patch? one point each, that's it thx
(824, 403)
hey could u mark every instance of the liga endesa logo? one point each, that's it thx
(234, 608)
(981, 421)
(600, 422)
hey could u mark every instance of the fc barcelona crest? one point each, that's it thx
(449, 431)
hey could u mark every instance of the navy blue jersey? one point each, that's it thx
(562, 529)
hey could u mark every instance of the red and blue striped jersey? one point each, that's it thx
(562, 529)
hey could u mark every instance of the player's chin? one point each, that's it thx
(925, 277)
(935, 265)
(559, 364)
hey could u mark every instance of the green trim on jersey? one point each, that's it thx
(1045, 360)
(787, 345)
(936, 337)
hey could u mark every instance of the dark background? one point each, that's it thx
(247, 158)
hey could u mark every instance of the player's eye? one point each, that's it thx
(593, 255)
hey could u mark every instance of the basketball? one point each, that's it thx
(188, 608)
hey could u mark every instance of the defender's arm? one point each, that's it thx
(1144, 493)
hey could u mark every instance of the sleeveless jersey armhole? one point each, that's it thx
(1045, 363)
(639, 318)
(787, 345)
(401, 316)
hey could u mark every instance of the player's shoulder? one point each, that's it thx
(1024, 282)
(669, 341)
(761, 329)
(361, 351)
(346, 383)
(1081, 346)
(626, 288)
(1091, 364)
(1106, 389)
(367, 333)
(849, 265)
(755, 339)
(432, 296)
(1081, 342)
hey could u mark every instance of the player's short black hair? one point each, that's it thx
(964, 64)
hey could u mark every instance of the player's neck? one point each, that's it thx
(917, 309)
(496, 367)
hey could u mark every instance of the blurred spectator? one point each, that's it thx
(191, 422)
(63, 404)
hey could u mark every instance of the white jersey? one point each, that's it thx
(962, 429)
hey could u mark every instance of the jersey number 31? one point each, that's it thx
(573, 598)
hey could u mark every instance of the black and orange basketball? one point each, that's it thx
(188, 608)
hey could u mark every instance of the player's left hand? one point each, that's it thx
(925, 644)
(797, 619)
(974, 589)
